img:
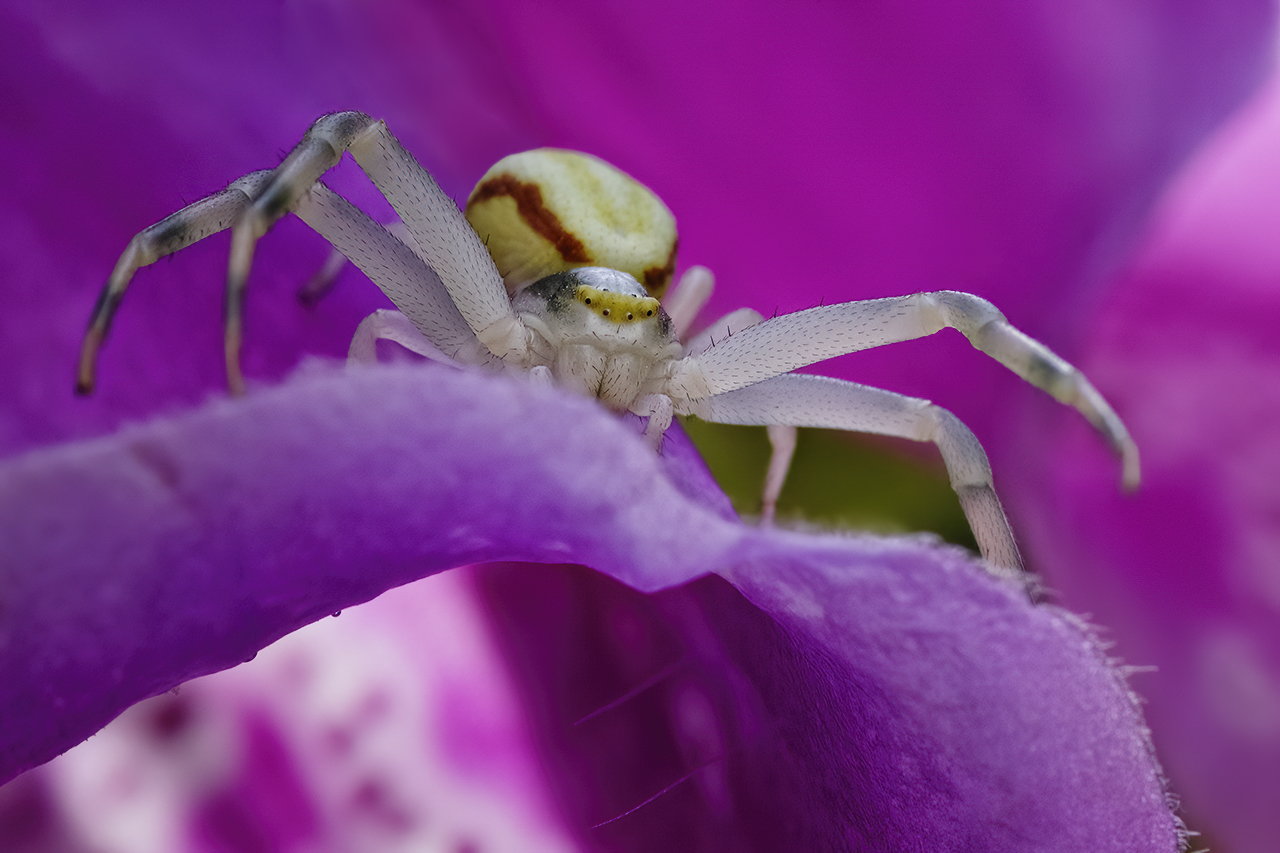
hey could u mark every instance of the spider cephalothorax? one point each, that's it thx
(555, 273)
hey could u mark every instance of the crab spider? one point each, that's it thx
(556, 271)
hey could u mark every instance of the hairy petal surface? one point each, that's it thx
(890, 672)
(181, 547)
(884, 704)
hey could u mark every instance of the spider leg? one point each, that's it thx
(193, 223)
(817, 401)
(729, 324)
(318, 286)
(688, 297)
(322, 281)
(440, 234)
(781, 344)
(782, 440)
(385, 325)
(659, 410)
(391, 264)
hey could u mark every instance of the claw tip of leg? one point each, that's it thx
(1132, 476)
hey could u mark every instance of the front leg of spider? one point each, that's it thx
(439, 233)
(442, 279)
(746, 378)
(782, 344)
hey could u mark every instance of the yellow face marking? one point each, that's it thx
(547, 211)
(617, 307)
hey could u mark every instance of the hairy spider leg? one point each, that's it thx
(391, 264)
(781, 344)
(321, 283)
(387, 325)
(730, 324)
(797, 399)
(193, 223)
(782, 438)
(442, 238)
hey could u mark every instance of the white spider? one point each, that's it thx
(551, 288)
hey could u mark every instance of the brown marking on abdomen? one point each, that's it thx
(656, 279)
(529, 204)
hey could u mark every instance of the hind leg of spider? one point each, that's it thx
(782, 443)
(387, 325)
(193, 223)
(817, 401)
(688, 297)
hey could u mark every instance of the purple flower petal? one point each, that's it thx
(342, 736)
(1009, 149)
(182, 547)
(895, 670)
(1186, 571)
(895, 703)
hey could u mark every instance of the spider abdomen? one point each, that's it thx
(545, 211)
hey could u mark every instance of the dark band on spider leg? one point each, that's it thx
(233, 336)
(276, 200)
(88, 360)
(104, 311)
(172, 233)
(352, 123)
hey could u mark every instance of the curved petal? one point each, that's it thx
(896, 701)
(1012, 144)
(182, 546)
(393, 727)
